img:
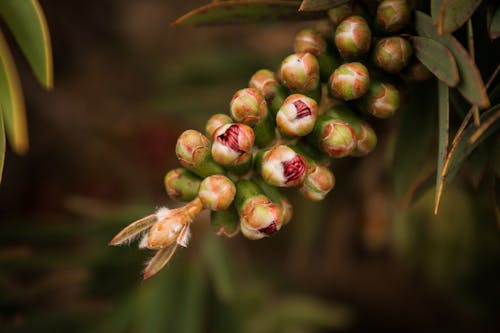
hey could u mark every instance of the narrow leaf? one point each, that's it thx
(464, 147)
(312, 5)
(454, 13)
(471, 84)
(494, 28)
(435, 8)
(160, 259)
(12, 101)
(133, 230)
(2, 145)
(444, 121)
(27, 22)
(437, 58)
(246, 11)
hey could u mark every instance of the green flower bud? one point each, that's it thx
(381, 100)
(232, 144)
(181, 184)
(267, 84)
(350, 81)
(281, 166)
(366, 140)
(334, 136)
(392, 15)
(309, 41)
(297, 115)
(353, 37)
(300, 72)
(248, 106)
(217, 192)
(225, 222)
(216, 121)
(340, 13)
(417, 71)
(392, 54)
(319, 181)
(193, 152)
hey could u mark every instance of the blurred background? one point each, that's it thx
(372, 257)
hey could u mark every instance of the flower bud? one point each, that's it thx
(248, 106)
(217, 192)
(381, 100)
(267, 84)
(181, 184)
(299, 72)
(193, 152)
(366, 140)
(283, 167)
(260, 217)
(297, 115)
(417, 71)
(340, 13)
(392, 54)
(350, 81)
(334, 137)
(309, 41)
(319, 181)
(216, 121)
(353, 37)
(392, 15)
(232, 144)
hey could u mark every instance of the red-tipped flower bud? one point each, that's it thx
(193, 152)
(260, 217)
(283, 167)
(216, 121)
(392, 15)
(353, 37)
(300, 72)
(297, 115)
(392, 54)
(350, 81)
(181, 184)
(366, 140)
(217, 192)
(232, 144)
(309, 41)
(381, 100)
(319, 181)
(248, 106)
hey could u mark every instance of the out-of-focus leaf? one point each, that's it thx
(2, 145)
(453, 14)
(435, 8)
(437, 58)
(247, 11)
(494, 28)
(463, 147)
(444, 122)
(28, 25)
(471, 84)
(12, 101)
(312, 5)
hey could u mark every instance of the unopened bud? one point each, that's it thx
(216, 121)
(392, 54)
(366, 140)
(267, 84)
(392, 15)
(248, 106)
(193, 152)
(340, 13)
(181, 184)
(381, 100)
(283, 167)
(334, 137)
(350, 81)
(232, 144)
(417, 71)
(353, 37)
(310, 41)
(217, 192)
(260, 217)
(319, 181)
(297, 115)
(299, 72)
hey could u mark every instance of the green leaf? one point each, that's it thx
(435, 8)
(12, 101)
(2, 145)
(471, 84)
(226, 12)
(437, 58)
(444, 122)
(494, 28)
(28, 25)
(312, 5)
(453, 14)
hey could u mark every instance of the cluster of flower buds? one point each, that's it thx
(284, 130)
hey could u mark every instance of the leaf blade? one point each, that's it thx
(454, 13)
(12, 101)
(246, 11)
(494, 28)
(27, 23)
(2, 146)
(437, 58)
(313, 5)
(443, 125)
(471, 84)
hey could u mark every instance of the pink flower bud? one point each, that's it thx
(260, 217)
(232, 144)
(300, 72)
(216, 121)
(283, 167)
(217, 192)
(366, 140)
(191, 148)
(319, 181)
(297, 115)
(248, 106)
